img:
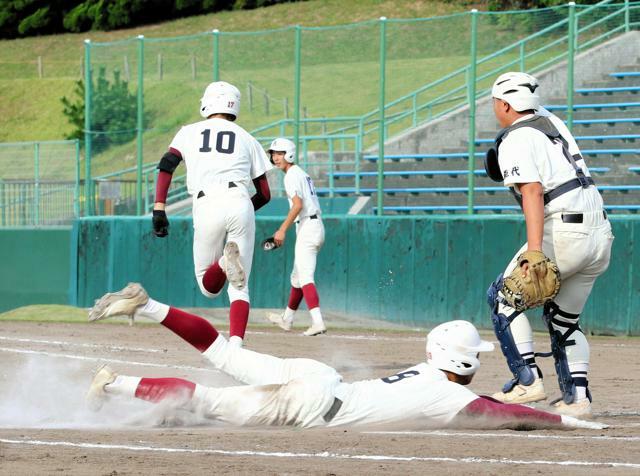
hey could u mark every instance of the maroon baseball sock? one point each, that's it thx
(194, 329)
(157, 389)
(311, 296)
(214, 278)
(238, 318)
(295, 297)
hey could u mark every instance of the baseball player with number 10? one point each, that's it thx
(304, 210)
(221, 159)
(307, 393)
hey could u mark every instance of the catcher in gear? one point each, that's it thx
(568, 245)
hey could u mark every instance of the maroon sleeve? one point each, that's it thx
(162, 186)
(263, 193)
(497, 414)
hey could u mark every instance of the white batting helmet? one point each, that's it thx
(454, 346)
(220, 98)
(518, 89)
(283, 145)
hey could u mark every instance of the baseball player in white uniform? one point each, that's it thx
(536, 155)
(304, 210)
(222, 159)
(307, 393)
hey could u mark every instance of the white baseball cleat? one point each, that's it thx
(121, 303)
(315, 329)
(232, 265)
(279, 320)
(96, 395)
(523, 393)
(581, 408)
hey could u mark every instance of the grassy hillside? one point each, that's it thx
(31, 108)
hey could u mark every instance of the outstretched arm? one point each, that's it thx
(496, 414)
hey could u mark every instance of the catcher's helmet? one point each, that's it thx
(220, 98)
(518, 89)
(283, 145)
(454, 346)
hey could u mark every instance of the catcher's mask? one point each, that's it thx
(517, 89)
(282, 144)
(455, 346)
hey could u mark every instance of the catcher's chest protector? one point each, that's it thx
(544, 125)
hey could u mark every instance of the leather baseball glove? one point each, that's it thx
(540, 284)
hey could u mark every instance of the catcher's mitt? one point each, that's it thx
(541, 283)
(269, 244)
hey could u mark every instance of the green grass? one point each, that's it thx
(46, 313)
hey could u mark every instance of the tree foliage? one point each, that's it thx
(114, 113)
(40, 17)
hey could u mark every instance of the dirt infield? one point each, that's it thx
(45, 429)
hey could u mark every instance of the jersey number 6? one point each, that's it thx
(221, 147)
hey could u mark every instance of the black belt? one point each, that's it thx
(335, 407)
(231, 185)
(577, 217)
(310, 217)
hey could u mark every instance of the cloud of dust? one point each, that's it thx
(50, 393)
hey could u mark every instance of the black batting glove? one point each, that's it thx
(160, 223)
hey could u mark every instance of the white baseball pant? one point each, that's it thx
(582, 252)
(297, 392)
(223, 213)
(309, 240)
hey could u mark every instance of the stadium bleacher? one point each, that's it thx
(605, 121)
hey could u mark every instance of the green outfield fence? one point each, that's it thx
(409, 270)
(336, 91)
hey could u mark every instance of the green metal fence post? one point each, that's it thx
(76, 191)
(359, 147)
(216, 55)
(296, 99)
(381, 103)
(626, 16)
(522, 56)
(3, 203)
(570, 63)
(331, 168)
(140, 124)
(88, 85)
(36, 185)
(471, 89)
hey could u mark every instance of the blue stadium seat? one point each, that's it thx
(597, 138)
(447, 208)
(622, 89)
(625, 74)
(612, 121)
(634, 169)
(610, 151)
(418, 157)
(618, 188)
(596, 107)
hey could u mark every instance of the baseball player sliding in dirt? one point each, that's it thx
(307, 393)
(221, 160)
(304, 210)
(567, 231)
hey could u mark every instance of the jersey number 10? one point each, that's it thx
(225, 141)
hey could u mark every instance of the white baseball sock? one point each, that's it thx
(154, 310)
(316, 316)
(123, 385)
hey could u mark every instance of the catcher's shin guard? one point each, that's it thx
(521, 371)
(559, 341)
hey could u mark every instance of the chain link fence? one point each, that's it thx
(324, 87)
